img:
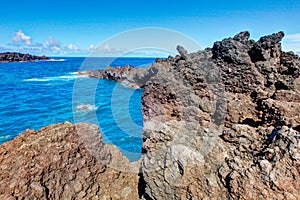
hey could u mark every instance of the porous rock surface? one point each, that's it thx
(223, 123)
(64, 161)
(131, 77)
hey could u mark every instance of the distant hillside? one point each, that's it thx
(19, 57)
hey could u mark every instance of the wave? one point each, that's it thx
(37, 79)
(55, 60)
(85, 107)
(73, 73)
(5, 137)
(76, 73)
(68, 77)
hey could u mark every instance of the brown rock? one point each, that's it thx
(64, 161)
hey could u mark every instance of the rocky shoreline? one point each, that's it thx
(132, 77)
(220, 123)
(19, 57)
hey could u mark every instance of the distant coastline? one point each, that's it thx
(19, 57)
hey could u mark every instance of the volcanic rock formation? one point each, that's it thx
(129, 76)
(221, 123)
(19, 57)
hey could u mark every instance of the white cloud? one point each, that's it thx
(105, 49)
(38, 45)
(21, 38)
(55, 48)
(293, 37)
(72, 47)
(53, 44)
(291, 42)
(4, 49)
(149, 52)
(90, 48)
(24, 43)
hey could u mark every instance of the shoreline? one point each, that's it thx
(223, 121)
(129, 76)
(8, 57)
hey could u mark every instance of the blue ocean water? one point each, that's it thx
(36, 94)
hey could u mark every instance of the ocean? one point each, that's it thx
(37, 94)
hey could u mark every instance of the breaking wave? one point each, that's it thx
(56, 60)
(67, 77)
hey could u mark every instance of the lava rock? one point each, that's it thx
(209, 117)
(19, 57)
(129, 76)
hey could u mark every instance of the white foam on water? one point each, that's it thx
(85, 108)
(79, 75)
(37, 79)
(68, 77)
(5, 137)
(55, 60)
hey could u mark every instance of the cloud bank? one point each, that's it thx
(22, 42)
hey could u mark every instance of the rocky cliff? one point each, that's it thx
(221, 123)
(19, 57)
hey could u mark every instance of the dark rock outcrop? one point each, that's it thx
(129, 76)
(64, 161)
(19, 57)
(223, 123)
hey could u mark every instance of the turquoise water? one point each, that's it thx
(34, 95)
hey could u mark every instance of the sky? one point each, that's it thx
(61, 28)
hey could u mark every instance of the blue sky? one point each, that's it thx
(72, 29)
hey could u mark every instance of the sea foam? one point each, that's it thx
(67, 77)
(85, 107)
